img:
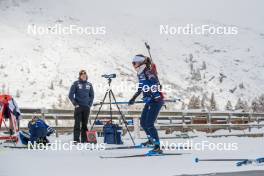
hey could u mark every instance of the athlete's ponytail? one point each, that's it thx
(148, 62)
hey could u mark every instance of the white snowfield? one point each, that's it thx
(85, 162)
(41, 68)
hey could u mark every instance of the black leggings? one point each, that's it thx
(81, 115)
(148, 117)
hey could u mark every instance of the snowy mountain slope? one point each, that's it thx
(40, 68)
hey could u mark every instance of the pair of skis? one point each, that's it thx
(149, 154)
(239, 162)
(15, 147)
(143, 147)
(142, 155)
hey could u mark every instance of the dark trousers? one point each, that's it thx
(148, 117)
(81, 115)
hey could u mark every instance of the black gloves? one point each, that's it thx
(131, 101)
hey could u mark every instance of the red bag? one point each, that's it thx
(91, 137)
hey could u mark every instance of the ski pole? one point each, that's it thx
(153, 65)
(222, 159)
(136, 102)
(148, 48)
(240, 162)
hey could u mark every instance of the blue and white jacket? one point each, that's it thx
(149, 85)
(82, 93)
(39, 129)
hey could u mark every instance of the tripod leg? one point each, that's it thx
(110, 104)
(99, 110)
(122, 116)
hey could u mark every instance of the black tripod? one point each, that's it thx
(111, 95)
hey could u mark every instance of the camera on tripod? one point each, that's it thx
(110, 76)
(112, 133)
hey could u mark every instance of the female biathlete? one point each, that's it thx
(153, 98)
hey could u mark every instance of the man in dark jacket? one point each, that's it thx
(82, 96)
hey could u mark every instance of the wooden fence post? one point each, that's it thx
(56, 124)
(229, 122)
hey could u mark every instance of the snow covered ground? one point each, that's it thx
(85, 162)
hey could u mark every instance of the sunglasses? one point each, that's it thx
(135, 63)
(83, 73)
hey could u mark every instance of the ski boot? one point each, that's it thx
(76, 142)
(260, 160)
(149, 143)
(43, 141)
(155, 151)
(146, 144)
(244, 162)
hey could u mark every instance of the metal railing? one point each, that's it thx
(168, 120)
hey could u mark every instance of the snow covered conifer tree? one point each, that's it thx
(17, 94)
(197, 103)
(229, 106)
(183, 106)
(257, 104)
(254, 105)
(239, 105)
(204, 101)
(246, 108)
(203, 66)
(261, 103)
(191, 104)
(213, 103)
(51, 86)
